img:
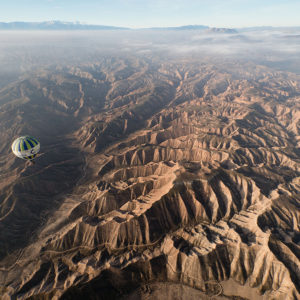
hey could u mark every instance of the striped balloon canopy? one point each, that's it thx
(26, 147)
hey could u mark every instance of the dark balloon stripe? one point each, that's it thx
(30, 142)
(25, 146)
(34, 140)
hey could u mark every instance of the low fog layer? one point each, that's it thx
(23, 51)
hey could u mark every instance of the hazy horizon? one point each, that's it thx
(49, 21)
(157, 13)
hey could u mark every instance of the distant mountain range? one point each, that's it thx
(55, 25)
(58, 25)
(196, 27)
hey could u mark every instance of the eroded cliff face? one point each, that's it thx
(176, 178)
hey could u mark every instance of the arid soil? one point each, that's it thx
(156, 180)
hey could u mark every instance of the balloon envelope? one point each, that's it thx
(26, 147)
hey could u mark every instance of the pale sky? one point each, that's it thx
(156, 13)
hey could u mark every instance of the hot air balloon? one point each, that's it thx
(26, 147)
